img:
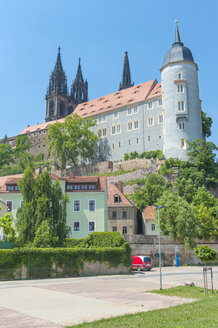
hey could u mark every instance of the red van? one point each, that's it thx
(141, 263)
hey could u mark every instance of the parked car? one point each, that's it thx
(141, 263)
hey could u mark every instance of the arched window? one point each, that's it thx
(51, 109)
(116, 199)
(61, 110)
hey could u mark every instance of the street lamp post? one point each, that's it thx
(159, 207)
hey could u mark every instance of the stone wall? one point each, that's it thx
(148, 245)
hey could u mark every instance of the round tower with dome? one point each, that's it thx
(181, 102)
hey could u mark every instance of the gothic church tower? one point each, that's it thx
(126, 80)
(181, 103)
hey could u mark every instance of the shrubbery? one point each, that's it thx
(106, 247)
(146, 154)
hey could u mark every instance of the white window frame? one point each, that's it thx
(129, 109)
(183, 147)
(79, 226)
(182, 125)
(178, 88)
(128, 126)
(179, 106)
(134, 128)
(150, 118)
(77, 200)
(95, 204)
(159, 122)
(94, 226)
(113, 126)
(135, 109)
(117, 127)
(117, 112)
(150, 105)
(102, 120)
(160, 100)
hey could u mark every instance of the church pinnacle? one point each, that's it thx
(79, 89)
(126, 80)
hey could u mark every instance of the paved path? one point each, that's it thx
(59, 302)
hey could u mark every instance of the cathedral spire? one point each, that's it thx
(126, 80)
(79, 89)
(58, 80)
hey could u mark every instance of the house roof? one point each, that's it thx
(114, 191)
(115, 100)
(13, 179)
(149, 213)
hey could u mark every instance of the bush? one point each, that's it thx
(103, 239)
(71, 242)
(146, 154)
(205, 253)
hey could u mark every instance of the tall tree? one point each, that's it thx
(72, 140)
(43, 201)
(152, 190)
(177, 219)
(206, 125)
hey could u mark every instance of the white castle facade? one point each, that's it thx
(149, 116)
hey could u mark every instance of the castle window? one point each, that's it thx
(159, 137)
(180, 88)
(102, 118)
(116, 115)
(100, 133)
(150, 121)
(150, 105)
(160, 102)
(119, 144)
(179, 76)
(129, 142)
(112, 145)
(181, 106)
(113, 129)
(149, 138)
(135, 109)
(137, 141)
(160, 119)
(136, 124)
(182, 126)
(129, 111)
(129, 126)
(118, 128)
(183, 143)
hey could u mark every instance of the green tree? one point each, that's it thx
(177, 219)
(203, 196)
(6, 154)
(152, 190)
(43, 201)
(22, 144)
(72, 140)
(206, 125)
(205, 253)
(207, 225)
(6, 222)
(43, 237)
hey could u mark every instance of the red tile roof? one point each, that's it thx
(113, 191)
(115, 100)
(155, 92)
(149, 213)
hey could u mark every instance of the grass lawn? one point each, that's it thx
(202, 313)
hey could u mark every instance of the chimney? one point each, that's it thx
(120, 185)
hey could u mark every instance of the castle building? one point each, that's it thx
(149, 116)
(59, 103)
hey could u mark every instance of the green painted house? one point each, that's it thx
(87, 209)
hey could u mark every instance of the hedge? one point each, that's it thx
(58, 262)
(97, 239)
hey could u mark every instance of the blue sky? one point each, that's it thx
(99, 32)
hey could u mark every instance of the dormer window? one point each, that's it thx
(116, 199)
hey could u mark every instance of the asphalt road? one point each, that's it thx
(61, 302)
